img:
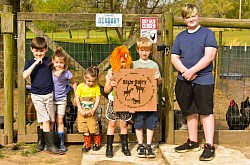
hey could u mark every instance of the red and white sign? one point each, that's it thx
(149, 26)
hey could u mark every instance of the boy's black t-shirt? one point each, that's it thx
(41, 77)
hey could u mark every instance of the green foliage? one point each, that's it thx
(217, 8)
(114, 40)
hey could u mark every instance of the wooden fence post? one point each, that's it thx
(168, 89)
(7, 21)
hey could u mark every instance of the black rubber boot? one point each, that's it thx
(49, 138)
(40, 140)
(125, 150)
(109, 149)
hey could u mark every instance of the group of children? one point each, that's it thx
(49, 79)
(192, 54)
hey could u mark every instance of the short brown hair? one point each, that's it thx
(39, 43)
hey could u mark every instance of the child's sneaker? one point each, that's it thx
(188, 146)
(150, 152)
(208, 152)
(141, 152)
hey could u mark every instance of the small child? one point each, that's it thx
(119, 59)
(61, 77)
(146, 119)
(87, 100)
(42, 94)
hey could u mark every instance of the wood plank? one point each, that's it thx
(83, 17)
(217, 22)
(52, 45)
(20, 81)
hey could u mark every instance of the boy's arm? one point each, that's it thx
(175, 59)
(27, 72)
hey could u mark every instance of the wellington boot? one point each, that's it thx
(125, 149)
(40, 140)
(50, 143)
(109, 149)
(61, 142)
(97, 142)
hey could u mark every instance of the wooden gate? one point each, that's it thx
(27, 131)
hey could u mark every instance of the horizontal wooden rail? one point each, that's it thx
(218, 22)
(178, 21)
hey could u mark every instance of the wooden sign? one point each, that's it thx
(136, 90)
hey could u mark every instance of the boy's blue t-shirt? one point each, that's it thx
(41, 77)
(191, 48)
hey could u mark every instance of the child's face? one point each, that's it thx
(39, 53)
(90, 81)
(58, 63)
(144, 53)
(192, 22)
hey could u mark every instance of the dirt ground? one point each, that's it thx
(26, 154)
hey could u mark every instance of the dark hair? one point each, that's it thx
(39, 43)
(60, 53)
(93, 71)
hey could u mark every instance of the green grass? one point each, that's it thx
(236, 37)
(78, 36)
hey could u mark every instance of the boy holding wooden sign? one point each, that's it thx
(147, 119)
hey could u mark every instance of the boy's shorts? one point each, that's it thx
(44, 107)
(188, 93)
(147, 120)
(87, 124)
(60, 107)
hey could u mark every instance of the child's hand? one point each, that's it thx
(157, 75)
(58, 73)
(91, 112)
(83, 112)
(131, 111)
(113, 83)
(38, 60)
(110, 75)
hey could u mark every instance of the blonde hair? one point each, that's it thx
(190, 10)
(115, 58)
(144, 43)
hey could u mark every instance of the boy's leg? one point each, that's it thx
(209, 149)
(192, 122)
(208, 126)
(141, 152)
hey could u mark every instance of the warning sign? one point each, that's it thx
(136, 90)
(148, 27)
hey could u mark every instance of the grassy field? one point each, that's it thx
(234, 37)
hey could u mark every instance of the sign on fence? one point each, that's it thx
(148, 27)
(136, 90)
(108, 20)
